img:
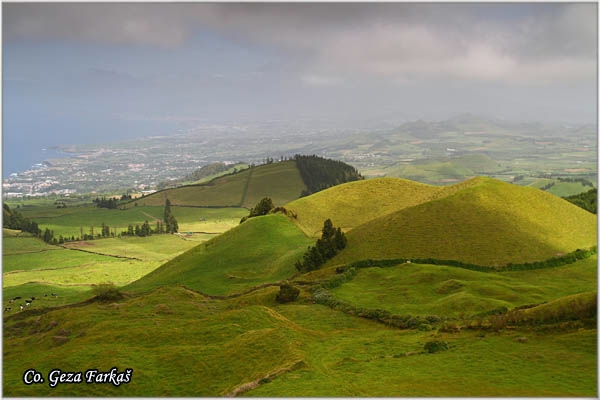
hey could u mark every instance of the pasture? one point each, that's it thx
(261, 250)
(483, 222)
(180, 343)
(452, 292)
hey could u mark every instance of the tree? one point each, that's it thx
(171, 223)
(287, 293)
(331, 242)
(262, 208)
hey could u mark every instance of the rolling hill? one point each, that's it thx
(280, 181)
(481, 221)
(261, 250)
(355, 203)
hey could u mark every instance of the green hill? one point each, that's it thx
(281, 181)
(484, 222)
(263, 249)
(354, 203)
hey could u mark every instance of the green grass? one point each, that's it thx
(261, 250)
(446, 170)
(71, 221)
(213, 220)
(43, 295)
(280, 181)
(12, 245)
(55, 259)
(352, 204)
(179, 343)
(153, 248)
(563, 189)
(483, 221)
(449, 291)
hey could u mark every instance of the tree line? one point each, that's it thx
(14, 220)
(331, 242)
(587, 200)
(320, 173)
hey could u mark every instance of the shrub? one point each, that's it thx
(107, 292)
(435, 346)
(287, 293)
(449, 327)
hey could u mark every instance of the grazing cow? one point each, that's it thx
(27, 304)
(54, 295)
(17, 298)
(21, 305)
(7, 308)
(28, 301)
(11, 301)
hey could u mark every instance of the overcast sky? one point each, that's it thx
(73, 71)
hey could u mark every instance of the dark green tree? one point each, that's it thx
(287, 293)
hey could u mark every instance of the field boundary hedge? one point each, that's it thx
(565, 259)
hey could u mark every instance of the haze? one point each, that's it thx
(78, 73)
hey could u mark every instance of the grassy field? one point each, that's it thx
(563, 189)
(261, 250)
(446, 170)
(70, 222)
(449, 291)
(484, 222)
(355, 203)
(179, 343)
(153, 248)
(34, 268)
(280, 181)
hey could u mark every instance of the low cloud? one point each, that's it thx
(456, 40)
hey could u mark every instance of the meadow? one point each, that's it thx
(180, 343)
(453, 292)
(261, 250)
(280, 181)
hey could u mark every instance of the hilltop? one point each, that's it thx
(261, 250)
(282, 181)
(481, 221)
(355, 203)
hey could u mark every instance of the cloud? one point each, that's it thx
(336, 44)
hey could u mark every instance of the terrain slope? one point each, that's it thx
(280, 181)
(481, 221)
(261, 250)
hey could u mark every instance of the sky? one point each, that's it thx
(93, 72)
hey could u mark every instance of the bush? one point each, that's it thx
(435, 346)
(107, 292)
(287, 293)
(449, 327)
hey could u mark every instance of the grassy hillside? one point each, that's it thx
(354, 203)
(448, 291)
(281, 181)
(485, 222)
(262, 249)
(180, 343)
